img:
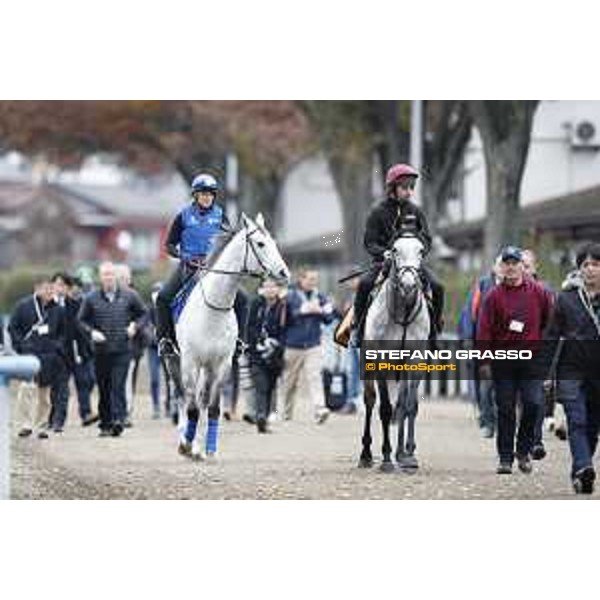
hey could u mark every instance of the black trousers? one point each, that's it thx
(164, 325)
(111, 375)
(265, 384)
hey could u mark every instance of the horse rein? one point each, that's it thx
(244, 272)
(409, 316)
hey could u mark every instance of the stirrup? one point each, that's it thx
(355, 337)
(167, 348)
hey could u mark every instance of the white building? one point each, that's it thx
(563, 157)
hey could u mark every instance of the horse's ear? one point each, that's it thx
(260, 220)
(242, 220)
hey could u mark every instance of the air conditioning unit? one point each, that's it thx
(584, 136)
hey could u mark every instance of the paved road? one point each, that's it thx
(299, 460)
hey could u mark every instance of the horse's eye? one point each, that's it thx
(260, 244)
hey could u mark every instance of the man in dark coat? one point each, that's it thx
(576, 320)
(79, 354)
(37, 327)
(111, 316)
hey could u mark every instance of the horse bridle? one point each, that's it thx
(245, 272)
(409, 316)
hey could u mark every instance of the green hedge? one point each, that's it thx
(18, 282)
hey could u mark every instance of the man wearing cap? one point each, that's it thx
(389, 219)
(514, 314)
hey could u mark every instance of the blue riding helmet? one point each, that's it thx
(204, 183)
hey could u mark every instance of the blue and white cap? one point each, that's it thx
(204, 183)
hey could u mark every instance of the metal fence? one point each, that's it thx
(11, 367)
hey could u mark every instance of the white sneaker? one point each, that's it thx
(272, 418)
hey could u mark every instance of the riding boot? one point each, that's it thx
(164, 324)
(173, 367)
(358, 322)
(437, 300)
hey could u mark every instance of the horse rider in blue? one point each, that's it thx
(393, 217)
(190, 239)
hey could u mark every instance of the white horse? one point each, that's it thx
(207, 329)
(399, 312)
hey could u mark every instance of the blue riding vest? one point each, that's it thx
(200, 226)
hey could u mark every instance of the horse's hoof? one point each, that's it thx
(197, 456)
(387, 466)
(365, 463)
(408, 464)
(184, 448)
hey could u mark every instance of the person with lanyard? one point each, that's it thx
(576, 327)
(395, 216)
(190, 239)
(37, 326)
(514, 315)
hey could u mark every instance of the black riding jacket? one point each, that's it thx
(388, 219)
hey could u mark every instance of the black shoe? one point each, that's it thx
(58, 430)
(538, 452)
(504, 468)
(117, 430)
(90, 420)
(583, 480)
(524, 464)
(25, 432)
(249, 419)
(42, 435)
(262, 426)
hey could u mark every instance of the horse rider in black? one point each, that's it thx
(394, 216)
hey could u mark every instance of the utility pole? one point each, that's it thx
(232, 187)
(416, 141)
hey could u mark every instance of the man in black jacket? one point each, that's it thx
(389, 219)
(79, 354)
(111, 316)
(37, 327)
(265, 336)
(577, 320)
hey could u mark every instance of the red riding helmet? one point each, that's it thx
(394, 173)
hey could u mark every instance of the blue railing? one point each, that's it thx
(11, 367)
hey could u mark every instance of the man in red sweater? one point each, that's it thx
(514, 313)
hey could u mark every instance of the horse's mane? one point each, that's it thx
(220, 242)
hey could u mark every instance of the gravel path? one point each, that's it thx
(300, 460)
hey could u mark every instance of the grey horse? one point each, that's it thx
(398, 312)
